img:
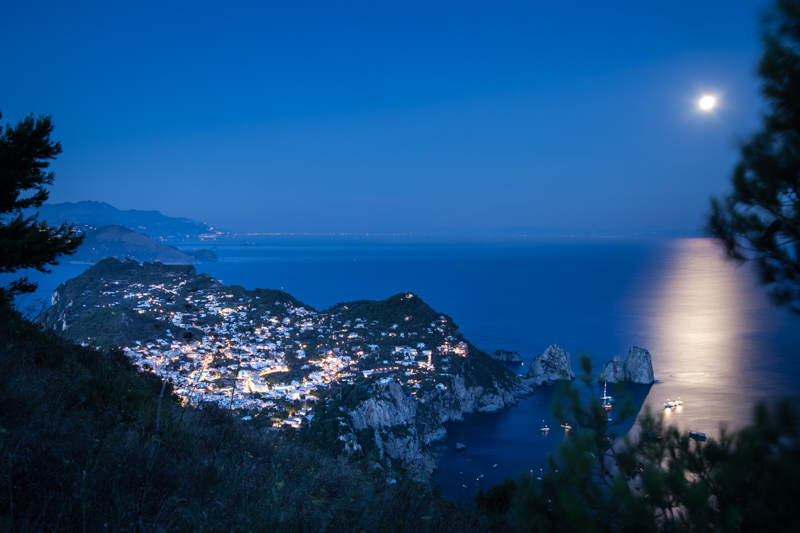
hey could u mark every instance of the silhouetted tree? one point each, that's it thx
(662, 480)
(761, 219)
(25, 153)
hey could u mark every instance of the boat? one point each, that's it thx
(566, 426)
(494, 465)
(696, 435)
(671, 404)
(606, 398)
(544, 428)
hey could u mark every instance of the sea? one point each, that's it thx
(716, 340)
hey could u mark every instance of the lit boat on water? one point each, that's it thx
(696, 435)
(544, 428)
(606, 398)
(566, 426)
(671, 404)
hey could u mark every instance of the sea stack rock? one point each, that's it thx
(506, 356)
(639, 366)
(553, 365)
(613, 371)
(636, 368)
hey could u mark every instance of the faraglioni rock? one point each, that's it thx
(637, 367)
(613, 371)
(507, 356)
(553, 365)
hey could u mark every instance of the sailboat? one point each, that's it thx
(606, 398)
(544, 428)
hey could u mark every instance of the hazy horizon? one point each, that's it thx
(393, 118)
(502, 233)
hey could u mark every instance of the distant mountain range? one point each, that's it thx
(89, 215)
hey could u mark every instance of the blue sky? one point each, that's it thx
(425, 117)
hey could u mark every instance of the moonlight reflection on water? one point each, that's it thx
(706, 325)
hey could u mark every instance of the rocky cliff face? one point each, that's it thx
(393, 418)
(637, 367)
(403, 432)
(550, 366)
(388, 408)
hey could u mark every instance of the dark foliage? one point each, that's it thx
(661, 481)
(87, 443)
(25, 153)
(760, 219)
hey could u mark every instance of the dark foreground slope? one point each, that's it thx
(87, 443)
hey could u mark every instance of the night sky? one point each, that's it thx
(424, 117)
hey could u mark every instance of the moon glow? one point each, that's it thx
(707, 103)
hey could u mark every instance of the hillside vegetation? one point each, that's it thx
(87, 443)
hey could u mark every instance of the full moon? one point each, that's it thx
(707, 103)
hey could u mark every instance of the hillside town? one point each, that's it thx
(263, 354)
